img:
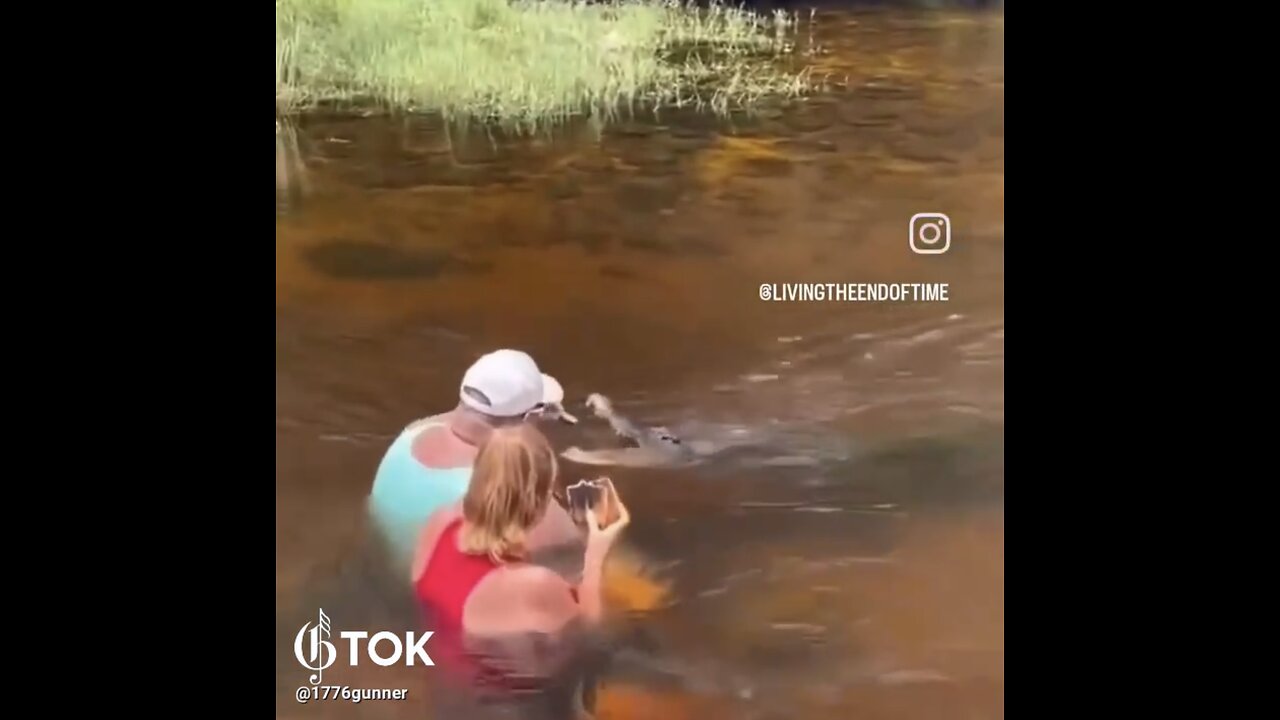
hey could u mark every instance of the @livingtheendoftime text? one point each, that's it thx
(855, 292)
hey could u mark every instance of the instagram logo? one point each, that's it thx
(930, 233)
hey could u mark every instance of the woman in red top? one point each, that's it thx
(471, 570)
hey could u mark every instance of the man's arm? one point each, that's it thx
(556, 528)
(558, 543)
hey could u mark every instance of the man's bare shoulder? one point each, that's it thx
(433, 420)
(445, 514)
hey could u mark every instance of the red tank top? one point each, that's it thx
(443, 589)
(450, 576)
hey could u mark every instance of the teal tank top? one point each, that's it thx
(405, 493)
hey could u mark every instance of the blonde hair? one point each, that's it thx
(510, 489)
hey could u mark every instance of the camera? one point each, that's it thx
(597, 494)
(585, 494)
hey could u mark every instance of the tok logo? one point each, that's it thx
(314, 652)
(319, 653)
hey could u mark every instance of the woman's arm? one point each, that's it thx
(554, 602)
(589, 596)
(553, 605)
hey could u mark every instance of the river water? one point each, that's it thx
(841, 551)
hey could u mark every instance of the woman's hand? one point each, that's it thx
(600, 539)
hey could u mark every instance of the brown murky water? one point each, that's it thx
(843, 551)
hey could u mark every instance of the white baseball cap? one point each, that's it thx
(508, 383)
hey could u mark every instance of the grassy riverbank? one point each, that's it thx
(527, 61)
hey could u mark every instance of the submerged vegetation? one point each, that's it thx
(529, 61)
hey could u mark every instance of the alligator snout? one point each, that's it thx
(599, 404)
(654, 447)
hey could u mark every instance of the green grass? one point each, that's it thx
(528, 61)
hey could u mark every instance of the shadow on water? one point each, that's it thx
(841, 549)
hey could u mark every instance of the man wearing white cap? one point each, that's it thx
(429, 464)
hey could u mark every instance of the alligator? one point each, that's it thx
(653, 446)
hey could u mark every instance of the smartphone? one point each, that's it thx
(596, 494)
(584, 494)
